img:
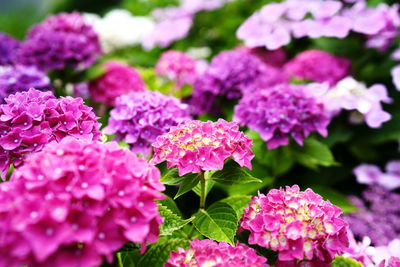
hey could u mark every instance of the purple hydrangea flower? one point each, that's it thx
(77, 202)
(372, 175)
(8, 49)
(21, 78)
(30, 120)
(396, 76)
(62, 40)
(140, 117)
(231, 74)
(282, 111)
(378, 215)
(318, 66)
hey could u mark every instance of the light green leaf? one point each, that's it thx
(313, 154)
(94, 72)
(233, 174)
(246, 189)
(238, 203)
(209, 185)
(171, 177)
(341, 261)
(335, 198)
(190, 181)
(172, 222)
(218, 222)
(170, 204)
(159, 252)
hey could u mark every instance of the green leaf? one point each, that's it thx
(218, 222)
(232, 173)
(172, 222)
(313, 154)
(94, 72)
(170, 204)
(341, 261)
(159, 252)
(335, 198)
(246, 189)
(171, 177)
(209, 185)
(238, 203)
(128, 258)
(190, 181)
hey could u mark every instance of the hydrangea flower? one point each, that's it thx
(76, 202)
(210, 253)
(178, 67)
(372, 175)
(62, 40)
(195, 146)
(395, 72)
(282, 111)
(20, 78)
(230, 74)
(276, 58)
(359, 250)
(388, 256)
(298, 224)
(318, 66)
(8, 49)
(119, 29)
(118, 79)
(30, 120)
(139, 117)
(376, 217)
(350, 94)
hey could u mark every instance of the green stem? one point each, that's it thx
(202, 191)
(120, 264)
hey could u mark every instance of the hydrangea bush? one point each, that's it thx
(212, 133)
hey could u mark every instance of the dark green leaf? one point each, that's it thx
(313, 154)
(190, 180)
(172, 222)
(218, 222)
(335, 197)
(238, 203)
(171, 177)
(128, 258)
(233, 174)
(209, 185)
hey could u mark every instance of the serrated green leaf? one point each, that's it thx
(170, 204)
(172, 222)
(238, 203)
(159, 252)
(335, 198)
(232, 173)
(313, 154)
(190, 181)
(218, 222)
(128, 258)
(341, 261)
(209, 185)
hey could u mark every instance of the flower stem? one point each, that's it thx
(202, 191)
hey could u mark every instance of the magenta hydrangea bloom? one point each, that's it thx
(8, 49)
(139, 117)
(282, 111)
(76, 202)
(178, 67)
(196, 146)
(30, 120)
(230, 74)
(213, 254)
(62, 40)
(298, 224)
(118, 79)
(21, 78)
(318, 66)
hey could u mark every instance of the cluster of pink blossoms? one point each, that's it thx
(117, 80)
(299, 225)
(30, 120)
(213, 254)
(196, 146)
(76, 202)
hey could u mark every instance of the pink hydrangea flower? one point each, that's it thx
(29, 120)
(76, 202)
(318, 66)
(117, 80)
(196, 146)
(178, 67)
(213, 254)
(299, 225)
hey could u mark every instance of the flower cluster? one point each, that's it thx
(118, 79)
(377, 216)
(8, 49)
(318, 66)
(297, 224)
(210, 253)
(20, 78)
(32, 119)
(139, 117)
(275, 24)
(76, 202)
(282, 111)
(276, 58)
(119, 29)
(372, 175)
(63, 40)
(196, 146)
(230, 74)
(178, 67)
(350, 94)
